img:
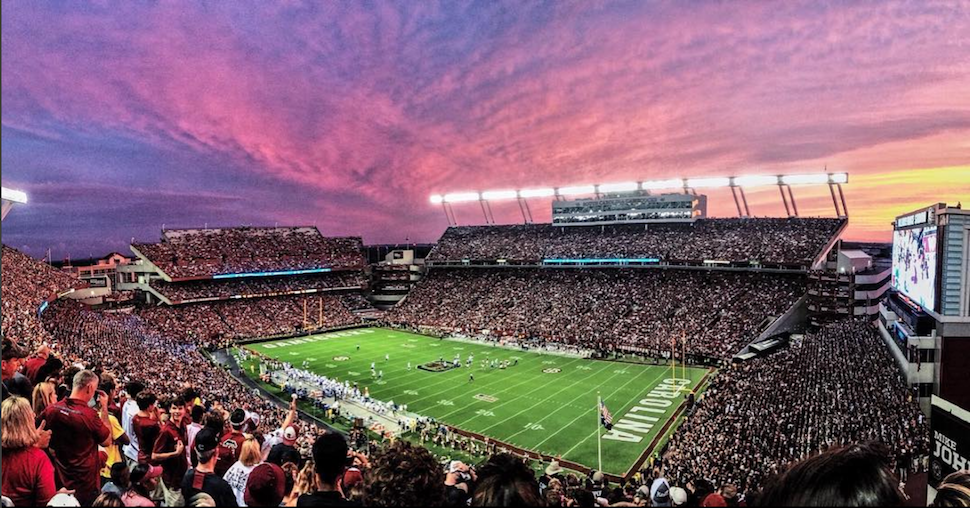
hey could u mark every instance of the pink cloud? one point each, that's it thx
(384, 107)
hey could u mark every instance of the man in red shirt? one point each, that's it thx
(169, 451)
(146, 426)
(76, 431)
(231, 441)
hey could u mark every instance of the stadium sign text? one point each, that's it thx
(639, 421)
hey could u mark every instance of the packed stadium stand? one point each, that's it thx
(794, 241)
(837, 386)
(607, 309)
(206, 290)
(199, 253)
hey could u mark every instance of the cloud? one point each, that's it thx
(352, 114)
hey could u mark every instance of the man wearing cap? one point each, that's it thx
(678, 496)
(232, 442)
(266, 486)
(284, 452)
(203, 478)
(13, 359)
(659, 489)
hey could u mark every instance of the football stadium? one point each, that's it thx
(485, 254)
(603, 346)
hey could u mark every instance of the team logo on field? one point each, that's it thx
(341, 358)
(551, 371)
(485, 398)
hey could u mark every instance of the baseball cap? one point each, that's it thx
(662, 495)
(266, 486)
(714, 500)
(12, 350)
(237, 418)
(290, 434)
(206, 440)
(63, 500)
(678, 496)
(143, 472)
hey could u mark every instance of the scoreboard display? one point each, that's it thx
(915, 259)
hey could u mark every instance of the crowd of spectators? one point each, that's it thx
(606, 310)
(189, 291)
(116, 411)
(792, 241)
(835, 387)
(24, 292)
(248, 318)
(185, 253)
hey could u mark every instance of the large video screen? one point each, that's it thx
(914, 264)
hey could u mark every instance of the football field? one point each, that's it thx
(545, 403)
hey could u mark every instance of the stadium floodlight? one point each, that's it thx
(437, 199)
(817, 179)
(14, 195)
(663, 184)
(495, 195)
(459, 197)
(573, 191)
(619, 187)
(839, 178)
(537, 193)
(700, 183)
(755, 180)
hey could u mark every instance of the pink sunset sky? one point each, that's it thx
(121, 117)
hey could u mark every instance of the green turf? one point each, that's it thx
(534, 407)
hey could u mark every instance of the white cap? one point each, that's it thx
(63, 500)
(678, 496)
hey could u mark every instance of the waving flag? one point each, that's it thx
(605, 417)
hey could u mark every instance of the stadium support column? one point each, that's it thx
(487, 211)
(742, 204)
(449, 213)
(744, 200)
(526, 212)
(791, 196)
(737, 203)
(845, 209)
(784, 199)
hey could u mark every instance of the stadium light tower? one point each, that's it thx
(10, 198)
(737, 184)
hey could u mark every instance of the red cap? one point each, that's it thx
(714, 500)
(266, 486)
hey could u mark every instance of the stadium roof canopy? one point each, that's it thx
(10, 197)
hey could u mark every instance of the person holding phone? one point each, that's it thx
(76, 431)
